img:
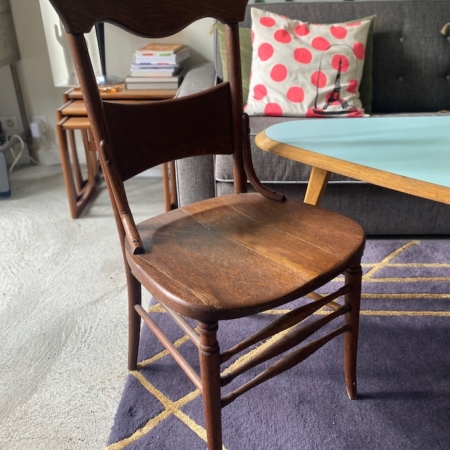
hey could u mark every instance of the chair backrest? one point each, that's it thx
(206, 123)
(133, 137)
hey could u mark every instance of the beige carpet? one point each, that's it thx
(62, 313)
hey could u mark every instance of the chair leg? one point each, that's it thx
(209, 354)
(353, 277)
(134, 320)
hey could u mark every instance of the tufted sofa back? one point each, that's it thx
(411, 58)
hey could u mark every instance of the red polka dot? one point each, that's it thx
(295, 94)
(319, 79)
(252, 34)
(267, 21)
(278, 72)
(273, 109)
(353, 24)
(338, 32)
(314, 112)
(343, 60)
(359, 50)
(265, 51)
(320, 43)
(259, 92)
(301, 30)
(282, 36)
(352, 86)
(302, 55)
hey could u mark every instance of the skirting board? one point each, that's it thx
(48, 156)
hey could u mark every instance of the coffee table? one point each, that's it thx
(406, 154)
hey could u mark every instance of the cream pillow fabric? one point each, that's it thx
(306, 70)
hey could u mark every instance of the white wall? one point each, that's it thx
(40, 95)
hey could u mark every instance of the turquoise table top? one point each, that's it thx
(414, 147)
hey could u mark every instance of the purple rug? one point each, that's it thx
(403, 374)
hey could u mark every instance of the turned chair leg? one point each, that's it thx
(209, 354)
(134, 320)
(353, 276)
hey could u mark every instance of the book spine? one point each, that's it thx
(151, 86)
(137, 59)
(157, 54)
(150, 79)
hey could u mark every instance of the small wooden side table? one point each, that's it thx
(71, 118)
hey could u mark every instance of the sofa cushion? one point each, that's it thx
(408, 49)
(365, 88)
(301, 69)
(246, 49)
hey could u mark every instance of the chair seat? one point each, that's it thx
(209, 260)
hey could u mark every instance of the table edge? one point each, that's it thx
(371, 175)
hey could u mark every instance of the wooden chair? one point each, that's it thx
(223, 258)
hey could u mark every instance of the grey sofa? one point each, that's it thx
(411, 75)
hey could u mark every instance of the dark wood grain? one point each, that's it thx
(283, 323)
(292, 339)
(146, 134)
(234, 246)
(353, 276)
(134, 321)
(287, 362)
(150, 18)
(209, 355)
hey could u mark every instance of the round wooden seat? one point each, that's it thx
(209, 260)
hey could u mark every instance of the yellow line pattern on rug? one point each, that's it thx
(173, 407)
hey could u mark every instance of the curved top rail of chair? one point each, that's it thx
(150, 18)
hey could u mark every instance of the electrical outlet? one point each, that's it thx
(42, 119)
(10, 124)
(42, 123)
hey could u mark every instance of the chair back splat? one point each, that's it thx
(223, 258)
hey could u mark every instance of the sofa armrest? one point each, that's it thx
(198, 78)
(195, 175)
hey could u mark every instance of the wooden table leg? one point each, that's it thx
(79, 190)
(318, 181)
(67, 168)
(173, 186)
(166, 186)
(169, 185)
(79, 182)
(91, 158)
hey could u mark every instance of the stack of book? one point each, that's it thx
(157, 66)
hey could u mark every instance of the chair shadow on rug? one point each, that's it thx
(227, 257)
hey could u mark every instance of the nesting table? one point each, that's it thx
(71, 118)
(406, 154)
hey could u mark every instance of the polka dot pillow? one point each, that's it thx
(306, 70)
